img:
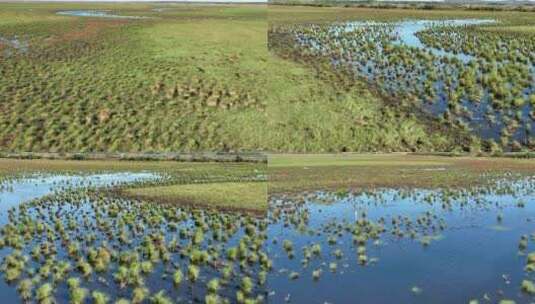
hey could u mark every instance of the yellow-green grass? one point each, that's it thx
(520, 29)
(245, 196)
(294, 173)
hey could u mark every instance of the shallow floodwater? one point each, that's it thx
(433, 77)
(18, 191)
(99, 14)
(406, 33)
(73, 215)
(469, 253)
(25, 189)
(421, 245)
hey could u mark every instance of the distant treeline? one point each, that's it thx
(481, 6)
(183, 157)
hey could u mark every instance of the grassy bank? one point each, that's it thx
(293, 173)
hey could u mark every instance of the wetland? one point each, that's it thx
(462, 69)
(71, 235)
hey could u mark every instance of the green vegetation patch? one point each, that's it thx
(246, 196)
(174, 82)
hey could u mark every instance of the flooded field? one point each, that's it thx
(434, 65)
(423, 246)
(76, 239)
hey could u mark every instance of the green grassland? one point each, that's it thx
(181, 80)
(222, 185)
(290, 173)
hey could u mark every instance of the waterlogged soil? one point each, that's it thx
(67, 241)
(12, 46)
(492, 98)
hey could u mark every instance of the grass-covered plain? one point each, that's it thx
(470, 85)
(245, 196)
(180, 80)
(291, 173)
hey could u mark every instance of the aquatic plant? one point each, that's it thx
(247, 285)
(43, 294)
(316, 274)
(100, 297)
(193, 273)
(160, 298)
(333, 266)
(528, 287)
(177, 277)
(139, 294)
(25, 288)
(213, 285)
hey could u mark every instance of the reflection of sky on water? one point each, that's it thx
(470, 257)
(34, 187)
